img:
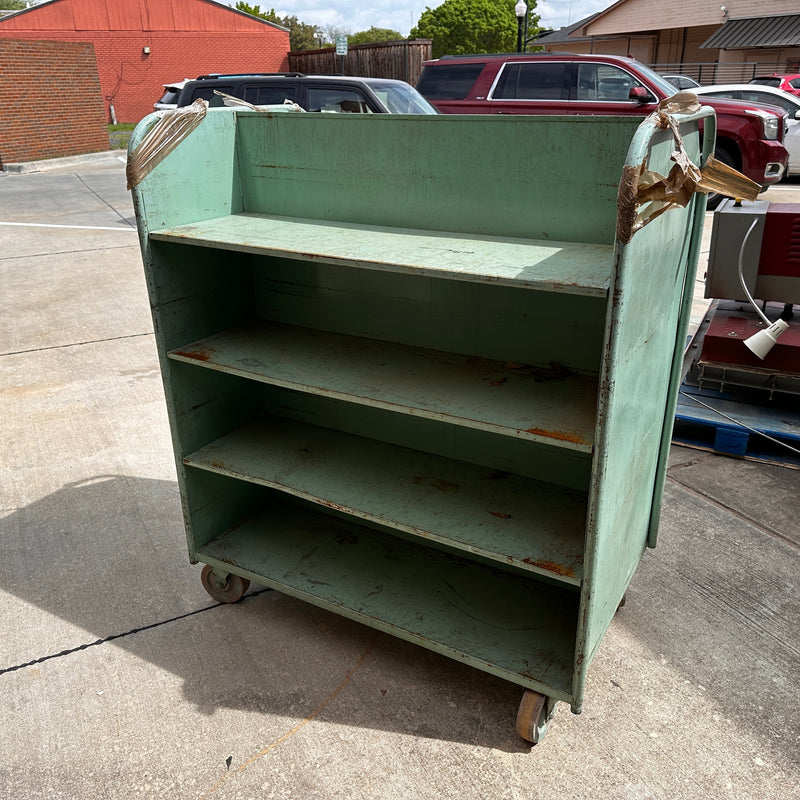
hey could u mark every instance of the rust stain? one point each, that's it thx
(556, 372)
(199, 353)
(441, 485)
(335, 506)
(550, 566)
(498, 382)
(564, 436)
(476, 362)
(500, 515)
(346, 537)
(496, 475)
(218, 465)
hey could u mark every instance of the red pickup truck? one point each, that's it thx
(749, 136)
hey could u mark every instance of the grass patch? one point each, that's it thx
(119, 135)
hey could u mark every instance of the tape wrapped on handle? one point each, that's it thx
(645, 194)
(173, 127)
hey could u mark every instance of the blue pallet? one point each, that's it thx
(737, 432)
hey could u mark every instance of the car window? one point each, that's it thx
(604, 82)
(269, 95)
(338, 101)
(772, 99)
(795, 83)
(170, 95)
(545, 80)
(776, 82)
(450, 82)
(207, 93)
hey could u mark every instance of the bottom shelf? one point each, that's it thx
(509, 625)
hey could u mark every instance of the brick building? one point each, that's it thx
(69, 121)
(142, 44)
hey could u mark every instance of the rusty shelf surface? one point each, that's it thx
(535, 526)
(545, 405)
(499, 622)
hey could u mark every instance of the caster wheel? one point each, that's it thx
(623, 601)
(534, 715)
(225, 587)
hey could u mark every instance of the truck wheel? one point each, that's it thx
(714, 199)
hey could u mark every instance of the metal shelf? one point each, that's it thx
(551, 406)
(569, 267)
(501, 623)
(535, 526)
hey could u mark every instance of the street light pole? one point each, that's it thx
(521, 11)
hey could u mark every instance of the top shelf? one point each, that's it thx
(566, 267)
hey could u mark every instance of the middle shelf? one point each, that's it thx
(551, 405)
(534, 526)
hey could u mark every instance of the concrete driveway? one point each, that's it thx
(121, 678)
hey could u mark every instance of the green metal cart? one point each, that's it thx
(421, 371)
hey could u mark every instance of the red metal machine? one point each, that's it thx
(751, 337)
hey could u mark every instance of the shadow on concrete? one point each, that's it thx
(85, 554)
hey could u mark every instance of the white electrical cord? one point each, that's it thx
(741, 274)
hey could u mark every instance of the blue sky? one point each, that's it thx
(354, 15)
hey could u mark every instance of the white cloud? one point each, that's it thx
(560, 13)
(355, 16)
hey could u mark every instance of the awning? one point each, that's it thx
(737, 34)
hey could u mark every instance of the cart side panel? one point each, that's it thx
(648, 291)
(189, 297)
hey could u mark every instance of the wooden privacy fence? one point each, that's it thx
(401, 60)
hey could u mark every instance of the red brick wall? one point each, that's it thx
(50, 101)
(186, 38)
(132, 81)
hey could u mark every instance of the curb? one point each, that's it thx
(54, 163)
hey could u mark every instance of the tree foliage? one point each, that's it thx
(301, 35)
(13, 5)
(459, 27)
(375, 35)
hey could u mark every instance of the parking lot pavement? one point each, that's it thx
(120, 677)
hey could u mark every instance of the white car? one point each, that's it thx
(766, 95)
(167, 101)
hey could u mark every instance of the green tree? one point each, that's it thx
(301, 36)
(372, 35)
(13, 5)
(459, 27)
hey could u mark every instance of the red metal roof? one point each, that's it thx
(132, 15)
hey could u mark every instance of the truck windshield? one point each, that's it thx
(662, 83)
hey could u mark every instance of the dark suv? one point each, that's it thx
(325, 93)
(749, 135)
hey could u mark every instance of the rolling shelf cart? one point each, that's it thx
(412, 379)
